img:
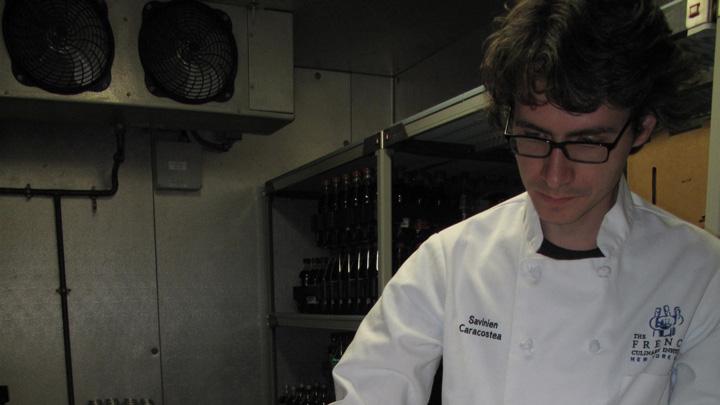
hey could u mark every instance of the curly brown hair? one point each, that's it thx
(580, 54)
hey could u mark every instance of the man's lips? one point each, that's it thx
(553, 199)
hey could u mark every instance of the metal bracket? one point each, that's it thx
(392, 135)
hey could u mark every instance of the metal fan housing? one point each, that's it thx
(188, 51)
(63, 47)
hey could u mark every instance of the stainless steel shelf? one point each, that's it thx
(457, 128)
(446, 120)
(297, 178)
(315, 321)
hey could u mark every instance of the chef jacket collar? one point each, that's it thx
(613, 230)
(618, 221)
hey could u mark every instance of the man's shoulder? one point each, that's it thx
(655, 222)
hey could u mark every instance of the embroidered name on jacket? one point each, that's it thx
(481, 327)
(662, 344)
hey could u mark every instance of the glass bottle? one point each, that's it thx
(372, 278)
(333, 213)
(323, 212)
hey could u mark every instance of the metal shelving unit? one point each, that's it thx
(455, 129)
(316, 321)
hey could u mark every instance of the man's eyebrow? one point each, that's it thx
(525, 124)
(580, 132)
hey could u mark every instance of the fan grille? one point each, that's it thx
(188, 51)
(61, 46)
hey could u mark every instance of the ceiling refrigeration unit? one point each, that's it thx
(178, 64)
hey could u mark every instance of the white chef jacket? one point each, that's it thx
(638, 326)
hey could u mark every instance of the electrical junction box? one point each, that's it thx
(178, 166)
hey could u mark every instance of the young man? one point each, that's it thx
(577, 291)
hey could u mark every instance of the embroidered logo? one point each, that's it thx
(663, 323)
(662, 344)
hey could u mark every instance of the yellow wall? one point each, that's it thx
(681, 162)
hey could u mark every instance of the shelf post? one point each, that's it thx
(384, 212)
(712, 202)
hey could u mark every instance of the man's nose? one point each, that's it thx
(557, 169)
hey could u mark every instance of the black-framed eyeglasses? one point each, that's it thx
(576, 151)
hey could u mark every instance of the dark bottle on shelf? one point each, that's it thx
(323, 220)
(334, 213)
(312, 299)
(345, 209)
(403, 196)
(363, 287)
(351, 303)
(360, 279)
(306, 398)
(355, 212)
(399, 197)
(425, 211)
(332, 283)
(324, 395)
(323, 281)
(345, 283)
(298, 396)
(285, 397)
(305, 272)
(300, 293)
(402, 244)
(372, 278)
(368, 212)
(339, 291)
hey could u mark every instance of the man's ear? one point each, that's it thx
(648, 126)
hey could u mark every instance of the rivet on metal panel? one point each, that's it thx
(63, 291)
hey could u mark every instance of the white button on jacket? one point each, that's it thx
(515, 327)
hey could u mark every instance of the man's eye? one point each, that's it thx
(590, 139)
